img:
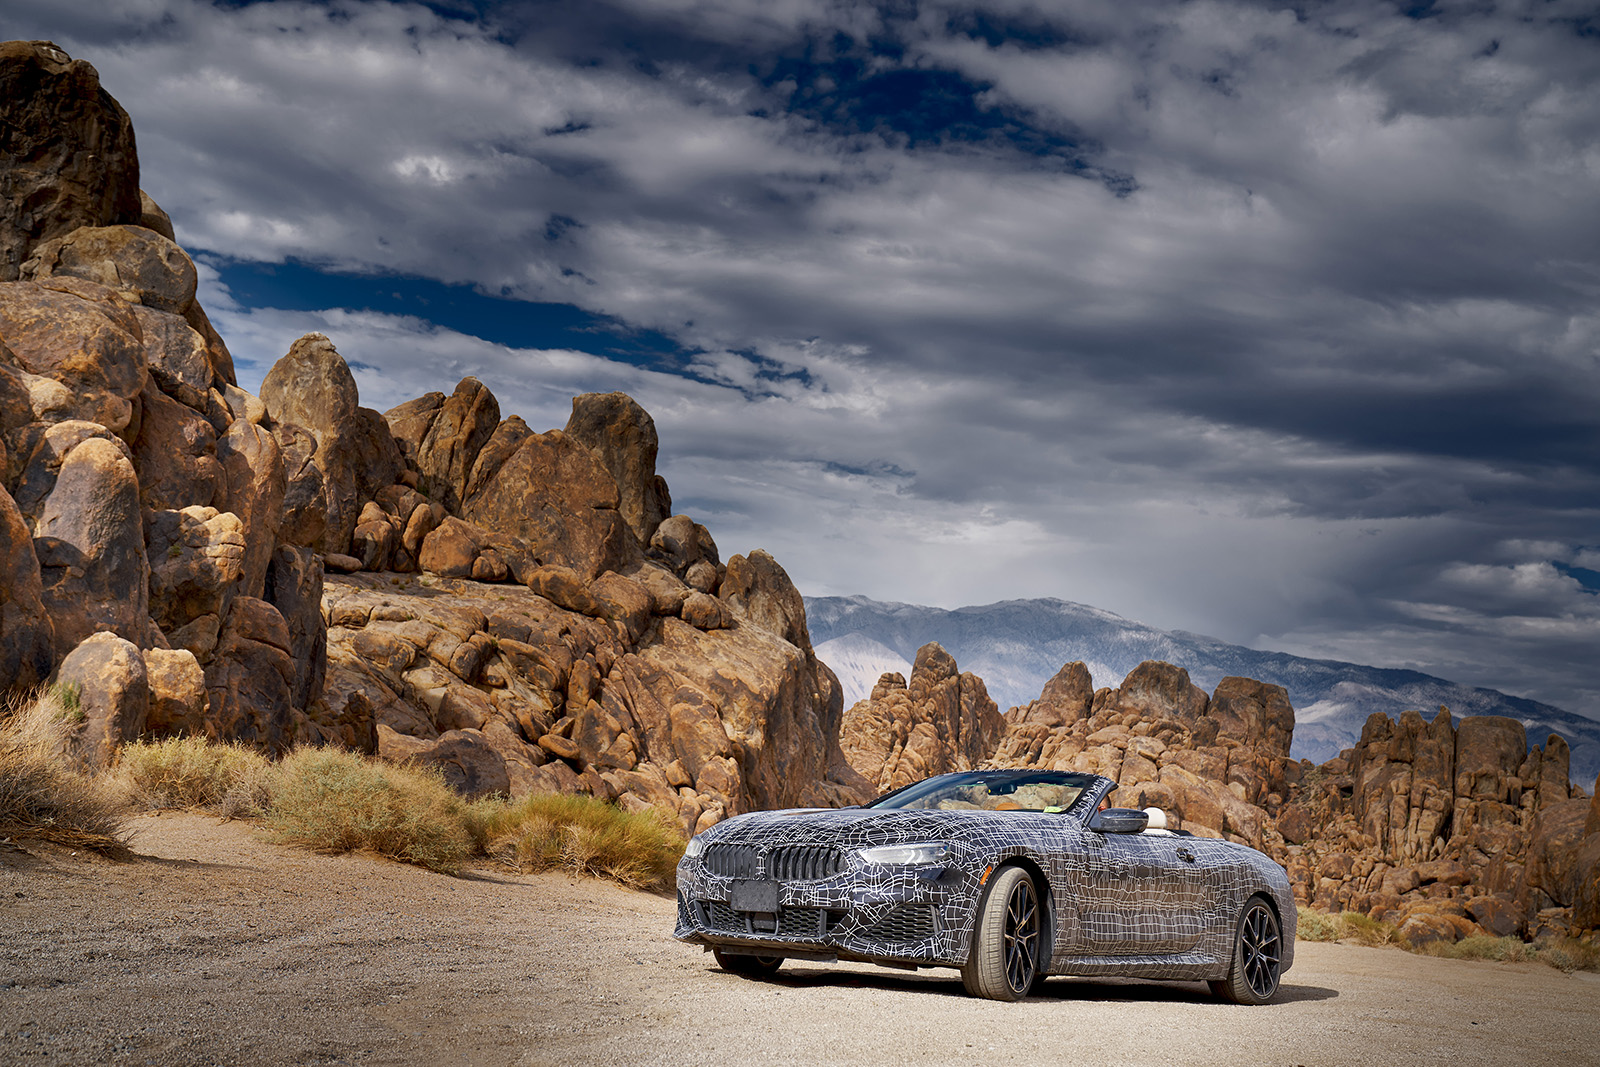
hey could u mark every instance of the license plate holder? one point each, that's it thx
(753, 894)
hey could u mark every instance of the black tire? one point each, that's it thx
(1004, 962)
(1257, 955)
(751, 966)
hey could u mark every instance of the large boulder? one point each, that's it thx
(197, 558)
(253, 466)
(251, 677)
(760, 589)
(138, 264)
(312, 387)
(67, 153)
(178, 697)
(459, 429)
(1489, 751)
(1065, 700)
(553, 494)
(623, 435)
(177, 356)
(90, 541)
(1159, 690)
(175, 455)
(108, 678)
(80, 349)
(27, 636)
(294, 587)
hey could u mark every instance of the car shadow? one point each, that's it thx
(1086, 990)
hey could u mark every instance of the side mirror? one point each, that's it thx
(1119, 821)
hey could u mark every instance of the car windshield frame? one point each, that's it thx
(917, 795)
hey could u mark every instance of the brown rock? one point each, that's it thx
(113, 694)
(177, 693)
(1498, 914)
(1554, 838)
(175, 456)
(305, 503)
(559, 746)
(176, 355)
(469, 763)
(410, 422)
(147, 267)
(82, 348)
(312, 387)
(1586, 884)
(623, 601)
(151, 217)
(251, 677)
(1489, 749)
(41, 448)
(294, 587)
(704, 612)
(1157, 690)
(680, 542)
(503, 443)
(253, 466)
(667, 592)
(90, 542)
(1064, 701)
(67, 154)
(760, 590)
(623, 435)
(196, 564)
(27, 635)
(447, 451)
(553, 494)
(373, 543)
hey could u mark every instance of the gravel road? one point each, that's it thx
(217, 948)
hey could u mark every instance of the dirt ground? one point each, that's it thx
(216, 948)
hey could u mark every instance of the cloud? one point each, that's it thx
(1272, 324)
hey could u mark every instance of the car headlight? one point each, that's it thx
(694, 847)
(917, 854)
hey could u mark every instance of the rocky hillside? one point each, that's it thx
(435, 583)
(1016, 645)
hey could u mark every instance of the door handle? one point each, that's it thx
(1185, 855)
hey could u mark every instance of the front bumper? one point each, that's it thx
(920, 915)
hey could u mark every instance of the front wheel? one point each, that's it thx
(1004, 962)
(1257, 952)
(751, 966)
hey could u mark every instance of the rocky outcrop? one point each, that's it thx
(27, 634)
(623, 436)
(942, 720)
(67, 156)
(108, 696)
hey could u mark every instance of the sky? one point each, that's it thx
(1272, 322)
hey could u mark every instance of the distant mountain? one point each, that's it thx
(1016, 645)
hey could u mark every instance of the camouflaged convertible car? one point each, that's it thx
(1009, 875)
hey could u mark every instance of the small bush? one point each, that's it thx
(1367, 930)
(329, 800)
(42, 794)
(193, 772)
(1568, 954)
(1318, 926)
(581, 834)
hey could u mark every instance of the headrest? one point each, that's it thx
(1158, 819)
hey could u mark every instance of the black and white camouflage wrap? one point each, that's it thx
(1143, 905)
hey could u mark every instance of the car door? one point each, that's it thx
(1143, 895)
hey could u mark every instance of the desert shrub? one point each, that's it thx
(1568, 954)
(584, 835)
(1481, 947)
(42, 792)
(1318, 926)
(329, 800)
(1366, 930)
(193, 772)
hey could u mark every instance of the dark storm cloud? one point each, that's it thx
(1274, 322)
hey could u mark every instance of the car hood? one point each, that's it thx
(858, 827)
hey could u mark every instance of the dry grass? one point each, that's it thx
(581, 834)
(329, 800)
(193, 772)
(1563, 953)
(42, 793)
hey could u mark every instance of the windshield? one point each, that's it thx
(1048, 791)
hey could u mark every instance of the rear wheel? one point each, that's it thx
(1004, 962)
(753, 966)
(1257, 956)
